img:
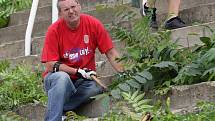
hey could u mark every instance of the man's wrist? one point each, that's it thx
(76, 71)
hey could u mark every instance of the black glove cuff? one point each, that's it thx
(78, 74)
(56, 66)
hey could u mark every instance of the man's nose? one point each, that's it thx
(71, 10)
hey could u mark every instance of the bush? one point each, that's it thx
(20, 85)
(7, 7)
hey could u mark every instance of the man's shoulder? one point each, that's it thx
(56, 25)
(87, 17)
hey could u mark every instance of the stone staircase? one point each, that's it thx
(12, 37)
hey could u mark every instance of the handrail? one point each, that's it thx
(30, 26)
(54, 11)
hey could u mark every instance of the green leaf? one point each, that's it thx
(106, 103)
(173, 53)
(140, 79)
(145, 101)
(124, 87)
(134, 95)
(166, 64)
(116, 93)
(146, 107)
(194, 72)
(146, 75)
(209, 56)
(139, 97)
(126, 95)
(133, 83)
(209, 71)
(135, 53)
(100, 96)
(206, 40)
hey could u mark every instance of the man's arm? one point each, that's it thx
(112, 55)
(49, 66)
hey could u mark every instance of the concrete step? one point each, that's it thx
(43, 14)
(34, 60)
(199, 14)
(183, 99)
(88, 4)
(183, 36)
(189, 36)
(161, 5)
(16, 55)
(202, 14)
(37, 44)
(44, 11)
(186, 97)
(15, 33)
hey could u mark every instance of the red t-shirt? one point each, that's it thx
(76, 48)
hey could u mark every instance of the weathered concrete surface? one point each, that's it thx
(162, 5)
(106, 15)
(103, 71)
(33, 112)
(15, 33)
(186, 37)
(44, 10)
(202, 14)
(89, 4)
(36, 112)
(181, 98)
(189, 36)
(187, 96)
(199, 14)
(43, 14)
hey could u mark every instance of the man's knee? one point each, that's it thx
(60, 79)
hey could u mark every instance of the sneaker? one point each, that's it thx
(174, 23)
(63, 118)
(69, 116)
(151, 12)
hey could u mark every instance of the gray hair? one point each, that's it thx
(58, 5)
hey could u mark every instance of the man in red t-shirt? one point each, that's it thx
(69, 57)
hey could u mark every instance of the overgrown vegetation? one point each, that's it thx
(155, 63)
(19, 85)
(123, 112)
(7, 7)
(11, 116)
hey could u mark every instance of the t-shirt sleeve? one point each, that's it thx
(104, 40)
(50, 50)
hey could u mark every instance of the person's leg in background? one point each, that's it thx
(148, 9)
(173, 21)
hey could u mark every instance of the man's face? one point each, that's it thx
(70, 10)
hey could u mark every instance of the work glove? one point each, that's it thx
(86, 74)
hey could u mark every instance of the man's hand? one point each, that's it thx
(85, 73)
